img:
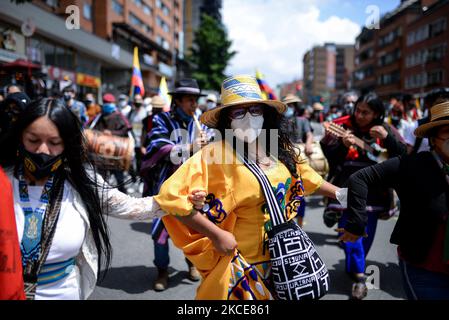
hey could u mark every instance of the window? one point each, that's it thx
(164, 26)
(389, 78)
(52, 3)
(87, 11)
(437, 27)
(159, 4)
(117, 7)
(135, 21)
(166, 10)
(435, 77)
(138, 3)
(147, 10)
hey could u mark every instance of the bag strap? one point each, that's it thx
(274, 209)
(32, 270)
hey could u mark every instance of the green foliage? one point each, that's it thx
(210, 54)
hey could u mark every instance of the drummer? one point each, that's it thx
(111, 122)
(300, 132)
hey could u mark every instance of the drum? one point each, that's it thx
(317, 160)
(109, 152)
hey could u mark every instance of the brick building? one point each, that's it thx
(98, 56)
(407, 53)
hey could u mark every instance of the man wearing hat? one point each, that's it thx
(163, 141)
(156, 106)
(421, 181)
(111, 122)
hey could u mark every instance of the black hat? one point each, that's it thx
(187, 86)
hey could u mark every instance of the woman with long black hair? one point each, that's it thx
(236, 214)
(60, 203)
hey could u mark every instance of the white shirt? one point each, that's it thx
(410, 138)
(66, 244)
(81, 282)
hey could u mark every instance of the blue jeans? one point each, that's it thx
(420, 284)
(161, 257)
(356, 252)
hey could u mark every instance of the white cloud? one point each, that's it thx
(273, 35)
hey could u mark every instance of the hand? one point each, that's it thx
(378, 132)
(200, 142)
(348, 139)
(107, 132)
(143, 150)
(224, 242)
(308, 150)
(198, 197)
(347, 236)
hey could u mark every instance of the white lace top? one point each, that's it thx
(83, 279)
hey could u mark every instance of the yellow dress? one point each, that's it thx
(235, 203)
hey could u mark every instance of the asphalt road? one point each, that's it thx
(132, 273)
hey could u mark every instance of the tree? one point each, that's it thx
(210, 53)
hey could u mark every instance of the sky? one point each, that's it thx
(273, 35)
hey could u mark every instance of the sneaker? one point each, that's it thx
(194, 275)
(359, 290)
(161, 282)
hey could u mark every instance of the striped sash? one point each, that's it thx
(52, 272)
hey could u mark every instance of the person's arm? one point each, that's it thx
(328, 190)
(309, 143)
(223, 241)
(120, 205)
(385, 174)
(391, 138)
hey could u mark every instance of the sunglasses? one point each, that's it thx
(240, 113)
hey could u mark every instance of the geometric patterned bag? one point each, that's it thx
(298, 272)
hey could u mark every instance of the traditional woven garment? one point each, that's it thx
(235, 203)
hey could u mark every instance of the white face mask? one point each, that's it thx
(210, 105)
(248, 128)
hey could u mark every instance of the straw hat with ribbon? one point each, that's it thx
(439, 116)
(240, 90)
(158, 102)
(291, 98)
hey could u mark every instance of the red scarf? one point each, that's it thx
(11, 279)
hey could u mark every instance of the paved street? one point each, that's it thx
(132, 271)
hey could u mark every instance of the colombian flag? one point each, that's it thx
(136, 80)
(267, 92)
(163, 93)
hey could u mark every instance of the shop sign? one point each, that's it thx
(55, 73)
(86, 80)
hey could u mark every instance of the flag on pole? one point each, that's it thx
(267, 92)
(163, 93)
(136, 79)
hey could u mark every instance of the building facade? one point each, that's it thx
(327, 72)
(98, 54)
(407, 54)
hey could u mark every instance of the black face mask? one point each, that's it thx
(40, 165)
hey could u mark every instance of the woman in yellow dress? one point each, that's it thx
(227, 240)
